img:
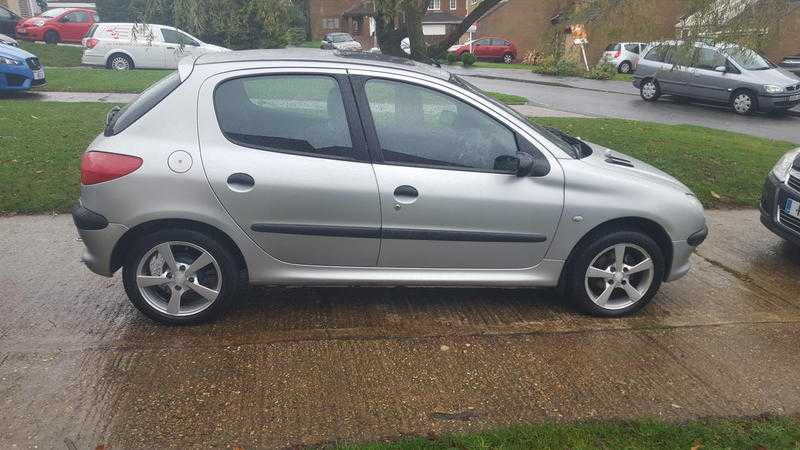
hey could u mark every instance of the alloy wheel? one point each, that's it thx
(179, 278)
(619, 276)
(120, 63)
(508, 59)
(625, 67)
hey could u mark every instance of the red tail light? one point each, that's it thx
(91, 43)
(97, 167)
(617, 53)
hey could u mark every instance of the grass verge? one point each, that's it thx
(772, 433)
(311, 44)
(41, 143)
(508, 99)
(100, 80)
(722, 168)
(54, 55)
(40, 148)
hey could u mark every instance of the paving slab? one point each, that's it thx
(73, 97)
(293, 367)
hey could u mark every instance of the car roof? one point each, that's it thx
(325, 56)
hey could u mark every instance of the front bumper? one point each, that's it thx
(772, 201)
(99, 238)
(29, 33)
(18, 78)
(778, 102)
(682, 252)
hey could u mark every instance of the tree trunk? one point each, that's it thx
(416, 37)
(389, 38)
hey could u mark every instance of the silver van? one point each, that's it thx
(722, 73)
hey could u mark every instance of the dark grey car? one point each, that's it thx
(727, 74)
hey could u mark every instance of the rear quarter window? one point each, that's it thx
(612, 48)
(146, 101)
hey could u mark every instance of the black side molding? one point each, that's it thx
(86, 219)
(698, 238)
(396, 233)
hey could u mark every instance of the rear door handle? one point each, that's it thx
(241, 182)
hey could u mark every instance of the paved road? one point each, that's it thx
(631, 106)
(295, 367)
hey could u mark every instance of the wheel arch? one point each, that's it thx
(647, 226)
(127, 239)
(747, 89)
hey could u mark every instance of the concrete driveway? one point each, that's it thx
(294, 367)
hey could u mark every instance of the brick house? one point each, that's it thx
(355, 17)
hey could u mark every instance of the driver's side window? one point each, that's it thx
(421, 126)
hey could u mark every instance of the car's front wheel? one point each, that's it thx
(52, 37)
(743, 102)
(180, 276)
(615, 274)
(650, 90)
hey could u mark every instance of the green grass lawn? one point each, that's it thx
(722, 168)
(40, 148)
(100, 80)
(772, 433)
(508, 99)
(311, 44)
(54, 55)
(41, 143)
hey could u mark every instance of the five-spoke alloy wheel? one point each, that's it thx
(180, 276)
(616, 273)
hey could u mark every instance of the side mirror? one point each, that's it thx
(720, 69)
(525, 165)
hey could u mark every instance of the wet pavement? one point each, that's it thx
(290, 367)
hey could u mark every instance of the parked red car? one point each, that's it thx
(490, 48)
(58, 25)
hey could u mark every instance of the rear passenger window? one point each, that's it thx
(612, 48)
(709, 59)
(633, 48)
(285, 113)
(658, 54)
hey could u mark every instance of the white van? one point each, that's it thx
(125, 46)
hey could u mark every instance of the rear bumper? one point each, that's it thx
(92, 60)
(99, 239)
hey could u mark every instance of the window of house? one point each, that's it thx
(453, 4)
(435, 5)
(285, 113)
(420, 126)
(330, 23)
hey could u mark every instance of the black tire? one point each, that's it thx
(508, 58)
(575, 282)
(120, 61)
(744, 102)
(52, 37)
(228, 264)
(645, 91)
(625, 67)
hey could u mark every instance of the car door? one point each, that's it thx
(286, 156)
(482, 48)
(674, 72)
(448, 198)
(148, 49)
(708, 82)
(74, 25)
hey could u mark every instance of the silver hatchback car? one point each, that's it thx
(722, 73)
(307, 167)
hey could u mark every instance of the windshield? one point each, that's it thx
(341, 38)
(570, 145)
(53, 13)
(748, 59)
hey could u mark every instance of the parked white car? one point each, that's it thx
(125, 46)
(623, 55)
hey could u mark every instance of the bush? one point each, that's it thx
(451, 58)
(468, 59)
(558, 68)
(604, 71)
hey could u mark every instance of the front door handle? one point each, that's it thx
(406, 194)
(241, 182)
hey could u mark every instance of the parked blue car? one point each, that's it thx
(19, 70)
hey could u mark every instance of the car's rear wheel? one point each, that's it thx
(743, 102)
(650, 90)
(625, 67)
(508, 58)
(52, 37)
(120, 61)
(616, 274)
(180, 276)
